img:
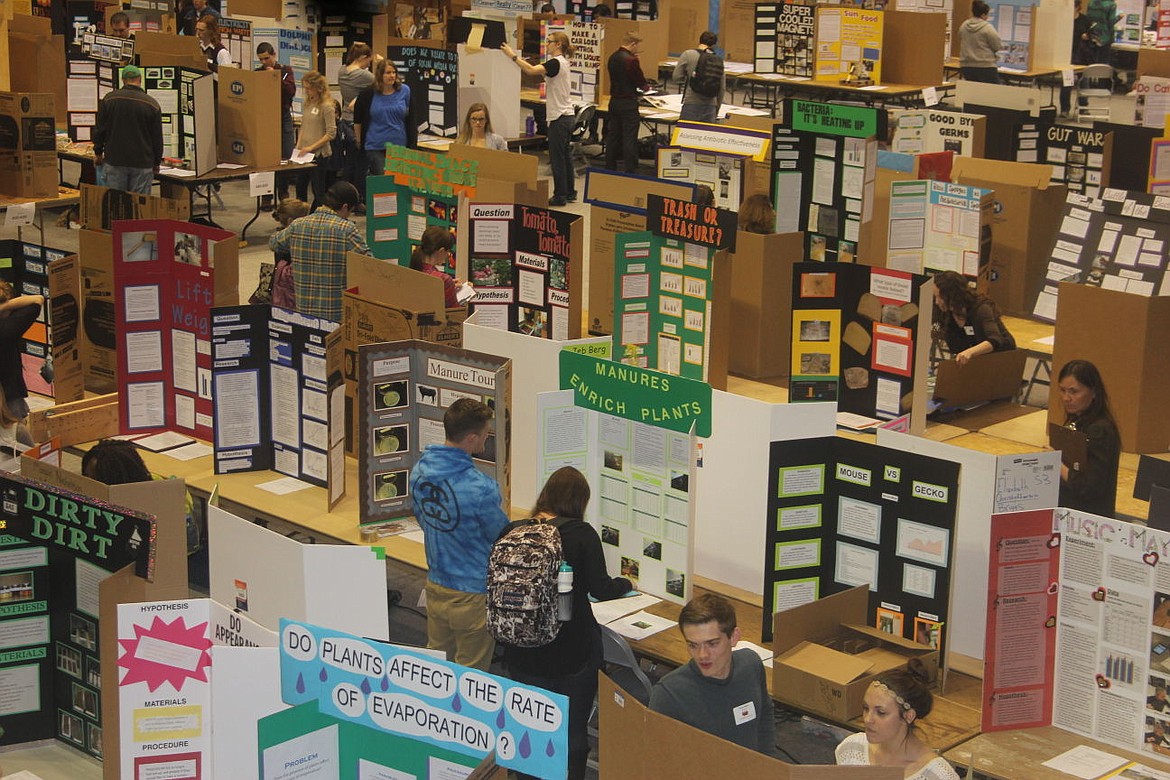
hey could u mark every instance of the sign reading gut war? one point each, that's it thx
(402, 691)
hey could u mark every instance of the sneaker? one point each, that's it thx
(557, 201)
(572, 198)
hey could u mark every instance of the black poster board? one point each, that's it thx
(843, 513)
(784, 38)
(1079, 157)
(55, 548)
(1130, 166)
(432, 75)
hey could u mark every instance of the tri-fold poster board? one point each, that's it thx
(846, 37)
(167, 277)
(278, 395)
(187, 99)
(784, 38)
(397, 216)
(1080, 158)
(938, 226)
(432, 75)
(404, 390)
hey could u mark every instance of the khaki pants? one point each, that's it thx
(457, 625)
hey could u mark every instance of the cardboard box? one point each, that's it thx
(504, 177)
(100, 207)
(249, 102)
(761, 303)
(98, 334)
(388, 302)
(31, 39)
(1025, 217)
(826, 656)
(985, 378)
(28, 145)
(161, 48)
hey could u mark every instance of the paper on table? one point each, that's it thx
(284, 485)
(190, 452)
(163, 441)
(181, 172)
(608, 611)
(856, 422)
(764, 653)
(1085, 762)
(415, 536)
(641, 625)
(23, 774)
(1049, 340)
(231, 166)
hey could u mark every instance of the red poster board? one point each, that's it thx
(1020, 650)
(164, 289)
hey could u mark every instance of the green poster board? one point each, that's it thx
(662, 304)
(397, 215)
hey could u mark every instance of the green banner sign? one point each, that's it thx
(649, 397)
(832, 119)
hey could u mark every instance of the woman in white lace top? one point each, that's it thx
(893, 704)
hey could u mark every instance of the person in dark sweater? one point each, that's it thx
(626, 83)
(1093, 487)
(128, 138)
(722, 691)
(970, 323)
(569, 664)
(17, 314)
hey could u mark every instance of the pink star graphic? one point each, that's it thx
(155, 674)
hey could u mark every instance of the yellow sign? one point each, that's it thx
(849, 43)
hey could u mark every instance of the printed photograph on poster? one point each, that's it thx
(82, 632)
(69, 660)
(815, 362)
(856, 566)
(390, 485)
(676, 583)
(532, 321)
(391, 395)
(918, 580)
(94, 738)
(70, 728)
(1156, 695)
(923, 543)
(139, 246)
(1156, 735)
(437, 209)
(391, 439)
(818, 285)
(188, 249)
(652, 548)
(610, 535)
(1161, 616)
(427, 395)
(889, 621)
(93, 672)
(927, 632)
(669, 353)
(613, 460)
(815, 330)
(630, 568)
(558, 275)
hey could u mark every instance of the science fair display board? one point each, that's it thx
(844, 513)
(167, 277)
(938, 226)
(187, 99)
(404, 389)
(405, 692)
(165, 697)
(432, 73)
(856, 332)
(49, 352)
(278, 395)
(930, 130)
(90, 80)
(338, 31)
(784, 38)
(1012, 19)
(824, 163)
(586, 38)
(723, 173)
(525, 263)
(1080, 158)
(845, 37)
(56, 549)
(1117, 242)
(1078, 627)
(293, 48)
(671, 288)
(397, 215)
(631, 432)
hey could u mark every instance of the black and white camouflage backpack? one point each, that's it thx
(522, 584)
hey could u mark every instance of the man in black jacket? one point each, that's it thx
(626, 83)
(128, 137)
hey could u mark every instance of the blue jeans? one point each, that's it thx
(564, 180)
(129, 179)
(698, 112)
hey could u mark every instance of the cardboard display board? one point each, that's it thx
(1136, 369)
(784, 38)
(1012, 19)
(761, 295)
(934, 130)
(50, 354)
(294, 48)
(723, 173)
(167, 276)
(823, 169)
(936, 226)
(1080, 159)
(846, 36)
(407, 692)
(386, 302)
(188, 129)
(278, 395)
(502, 177)
(489, 77)
(153, 690)
(246, 130)
(28, 145)
(397, 216)
(916, 37)
(586, 39)
(57, 548)
(844, 513)
(856, 337)
(31, 39)
(404, 389)
(161, 49)
(1130, 161)
(1117, 242)
(525, 263)
(266, 576)
(1055, 18)
(617, 205)
(643, 476)
(431, 72)
(92, 80)
(338, 31)
(946, 8)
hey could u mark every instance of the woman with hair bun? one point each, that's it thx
(1091, 486)
(894, 703)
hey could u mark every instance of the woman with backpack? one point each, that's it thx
(700, 71)
(570, 662)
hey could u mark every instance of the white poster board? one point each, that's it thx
(487, 76)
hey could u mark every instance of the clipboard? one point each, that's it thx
(462, 29)
(1073, 445)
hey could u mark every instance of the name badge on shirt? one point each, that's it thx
(744, 713)
(969, 330)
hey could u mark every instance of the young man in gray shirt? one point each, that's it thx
(722, 691)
